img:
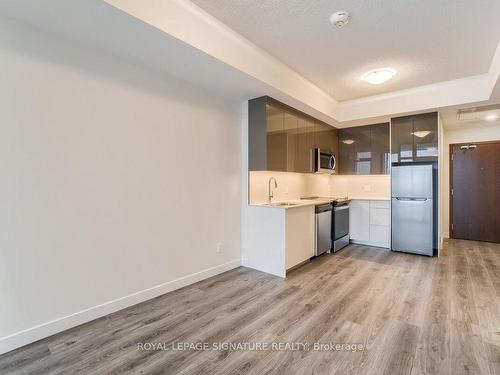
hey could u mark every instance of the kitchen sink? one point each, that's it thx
(284, 204)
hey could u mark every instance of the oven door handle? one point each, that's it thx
(340, 208)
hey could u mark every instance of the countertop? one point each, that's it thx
(371, 198)
(295, 203)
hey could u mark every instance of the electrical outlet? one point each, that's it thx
(218, 248)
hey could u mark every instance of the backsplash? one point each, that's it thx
(290, 186)
(361, 186)
(293, 186)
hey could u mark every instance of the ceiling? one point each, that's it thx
(426, 41)
(178, 38)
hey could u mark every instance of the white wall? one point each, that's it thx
(485, 131)
(116, 182)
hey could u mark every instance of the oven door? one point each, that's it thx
(325, 162)
(341, 221)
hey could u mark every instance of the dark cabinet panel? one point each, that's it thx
(329, 139)
(290, 130)
(402, 139)
(276, 139)
(425, 137)
(347, 151)
(364, 149)
(363, 156)
(317, 134)
(305, 144)
(257, 134)
(414, 138)
(380, 148)
(325, 137)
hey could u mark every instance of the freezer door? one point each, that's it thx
(412, 181)
(412, 225)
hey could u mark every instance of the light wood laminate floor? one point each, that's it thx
(413, 315)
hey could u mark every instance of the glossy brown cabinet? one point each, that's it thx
(347, 151)
(380, 136)
(402, 139)
(276, 142)
(364, 149)
(414, 138)
(281, 138)
(305, 144)
(326, 137)
(425, 137)
(290, 129)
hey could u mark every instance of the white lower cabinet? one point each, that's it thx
(359, 220)
(299, 235)
(379, 235)
(278, 239)
(370, 222)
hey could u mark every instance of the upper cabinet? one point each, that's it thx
(347, 151)
(425, 137)
(291, 122)
(364, 149)
(305, 142)
(276, 139)
(380, 145)
(326, 137)
(415, 138)
(281, 138)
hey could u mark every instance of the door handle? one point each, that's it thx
(467, 147)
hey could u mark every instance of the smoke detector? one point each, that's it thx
(340, 19)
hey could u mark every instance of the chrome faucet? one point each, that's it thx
(271, 196)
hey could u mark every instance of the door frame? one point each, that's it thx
(450, 213)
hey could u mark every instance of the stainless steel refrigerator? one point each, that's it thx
(412, 209)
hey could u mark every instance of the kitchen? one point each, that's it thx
(313, 188)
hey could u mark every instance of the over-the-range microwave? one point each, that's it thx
(324, 161)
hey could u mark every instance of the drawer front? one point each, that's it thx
(379, 216)
(380, 204)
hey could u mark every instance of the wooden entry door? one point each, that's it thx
(475, 191)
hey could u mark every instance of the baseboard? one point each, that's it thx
(368, 243)
(41, 331)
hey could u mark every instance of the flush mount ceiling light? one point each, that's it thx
(340, 19)
(422, 133)
(378, 76)
(491, 117)
(348, 141)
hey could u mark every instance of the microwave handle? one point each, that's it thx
(332, 162)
